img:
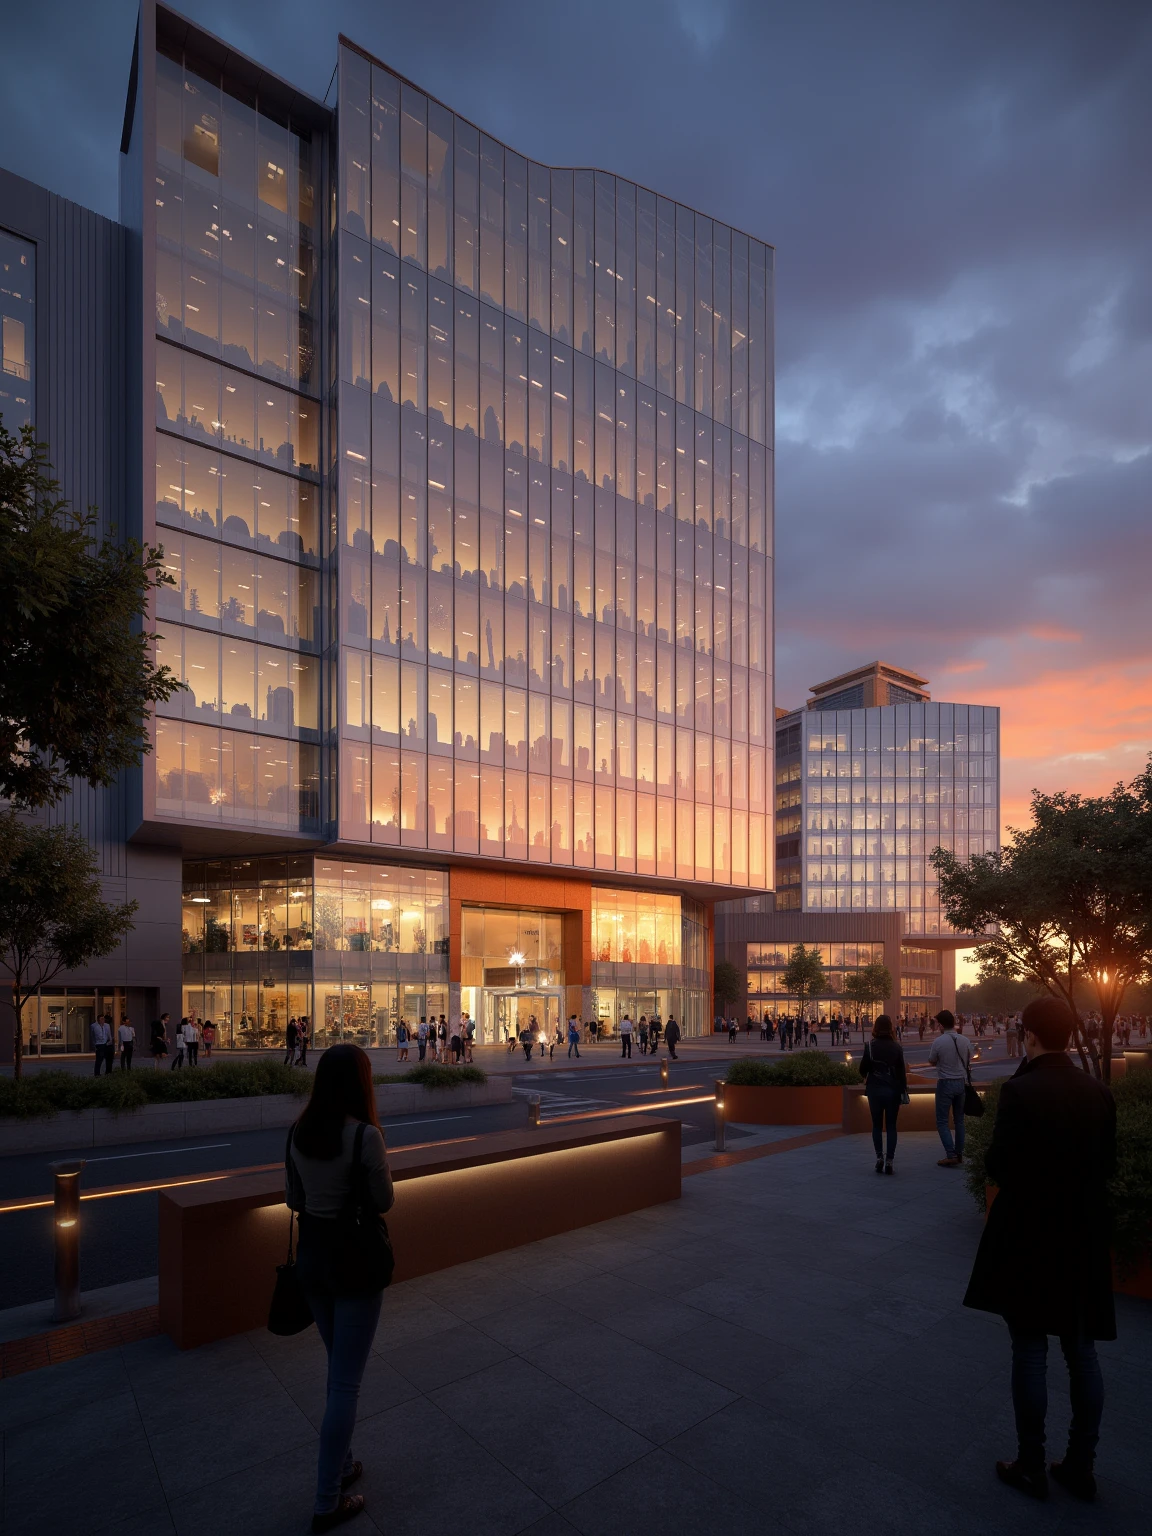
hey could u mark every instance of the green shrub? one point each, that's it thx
(433, 1075)
(45, 1093)
(1131, 1188)
(799, 1069)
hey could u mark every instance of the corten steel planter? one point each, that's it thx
(782, 1106)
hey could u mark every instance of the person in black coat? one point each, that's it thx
(885, 1083)
(1044, 1262)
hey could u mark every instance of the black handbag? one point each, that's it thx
(289, 1311)
(973, 1103)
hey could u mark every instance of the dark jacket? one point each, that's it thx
(888, 1057)
(671, 1032)
(1044, 1260)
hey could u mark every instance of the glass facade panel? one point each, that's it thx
(17, 331)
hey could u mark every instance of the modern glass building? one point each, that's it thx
(870, 777)
(463, 468)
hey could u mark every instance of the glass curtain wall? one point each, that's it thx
(237, 452)
(555, 506)
(351, 947)
(882, 788)
(17, 331)
(649, 956)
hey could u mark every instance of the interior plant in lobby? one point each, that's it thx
(1066, 904)
(798, 1069)
(804, 976)
(78, 675)
(53, 916)
(870, 985)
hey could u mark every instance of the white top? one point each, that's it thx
(625, 1025)
(950, 1055)
(127, 1034)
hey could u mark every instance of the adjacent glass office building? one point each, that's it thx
(462, 466)
(870, 777)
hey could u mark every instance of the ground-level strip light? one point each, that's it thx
(718, 1112)
(627, 1109)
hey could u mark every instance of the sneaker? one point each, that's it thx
(879, 1165)
(1030, 1480)
(1077, 1479)
(953, 1162)
(888, 1168)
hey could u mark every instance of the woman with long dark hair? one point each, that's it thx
(885, 1083)
(337, 1178)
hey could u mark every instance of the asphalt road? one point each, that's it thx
(119, 1233)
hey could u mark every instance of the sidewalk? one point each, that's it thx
(782, 1349)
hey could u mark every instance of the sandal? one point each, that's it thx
(349, 1507)
(353, 1475)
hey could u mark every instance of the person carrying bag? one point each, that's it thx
(886, 1086)
(338, 1183)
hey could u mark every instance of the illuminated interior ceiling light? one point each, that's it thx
(515, 958)
(201, 901)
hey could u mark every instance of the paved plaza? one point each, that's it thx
(783, 1349)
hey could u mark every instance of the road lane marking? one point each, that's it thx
(121, 1157)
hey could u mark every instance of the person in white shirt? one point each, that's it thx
(951, 1054)
(127, 1037)
(626, 1036)
(101, 1034)
(181, 1043)
(192, 1041)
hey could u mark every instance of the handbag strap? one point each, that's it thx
(295, 1182)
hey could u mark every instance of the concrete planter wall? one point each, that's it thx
(77, 1129)
(919, 1114)
(782, 1106)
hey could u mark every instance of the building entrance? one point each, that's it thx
(507, 1012)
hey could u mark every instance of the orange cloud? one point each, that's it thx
(1081, 729)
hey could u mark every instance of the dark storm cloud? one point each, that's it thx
(957, 192)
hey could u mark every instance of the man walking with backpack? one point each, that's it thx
(950, 1055)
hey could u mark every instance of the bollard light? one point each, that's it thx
(664, 1073)
(66, 1221)
(534, 1109)
(718, 1111)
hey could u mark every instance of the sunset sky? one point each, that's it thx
(958, 195)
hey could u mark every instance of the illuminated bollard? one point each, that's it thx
(664, 1073)
(66, 1218)
(718, 1111)
(534, 1109)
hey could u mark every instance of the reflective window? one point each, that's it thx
(17, 331)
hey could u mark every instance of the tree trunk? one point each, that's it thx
(17, 1034)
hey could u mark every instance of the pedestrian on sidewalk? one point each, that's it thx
(573, 1036)
(469, 1026)
(401, 1041)
(181, 1045)
(886, 1086)
(127, 1038)
(336, 1163)
(950, 1055)
(291, 1035)
(1044, 1261)
(101, 1039)
(557, 1039)
(671, 1036)
(304, 1039)
(422, 1037)
(527, 1040)
(626, 1036)
(209, 1034)
(192, 1041)
(158, 1044)
(643, 1033)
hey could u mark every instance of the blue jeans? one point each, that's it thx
(950, 1095)
(1030, 1395)
(347, 1324)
